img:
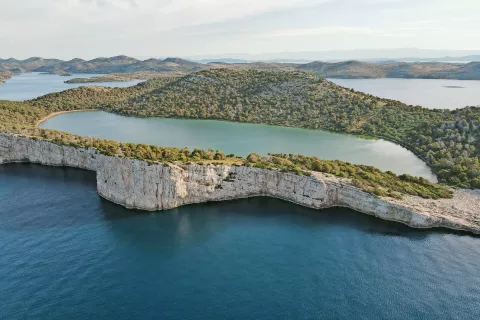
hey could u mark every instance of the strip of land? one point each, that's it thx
(124, 77)
(138, 184)
(447, 140)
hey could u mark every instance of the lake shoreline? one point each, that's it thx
(351, 135)
(157, 186)
(61, 112)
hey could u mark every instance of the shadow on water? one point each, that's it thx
(265, 207)
(34, 197)
(54, 174)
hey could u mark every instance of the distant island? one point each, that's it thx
(107, 78)
(121, 77)
(177, 66)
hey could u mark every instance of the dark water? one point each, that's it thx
(33, 84)
(67, 254)
(241, 139)
(429, 93)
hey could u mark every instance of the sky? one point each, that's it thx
(193, 28)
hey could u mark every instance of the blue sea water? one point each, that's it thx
(428, 93)
(33, 84)
(68, 254)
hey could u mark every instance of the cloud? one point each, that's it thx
(167, 13)
(89, 28)
(134, 15)
(321, 31)
(121, 4)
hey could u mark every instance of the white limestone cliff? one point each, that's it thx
(135, 184)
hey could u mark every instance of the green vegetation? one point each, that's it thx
(368, 178)
(108, 78)
(447, 140)
(123, 77)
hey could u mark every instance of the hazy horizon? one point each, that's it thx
(327, 55)
(232, 28)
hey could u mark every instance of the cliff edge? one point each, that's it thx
(139, 185)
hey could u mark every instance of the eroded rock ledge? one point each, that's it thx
(135, 184)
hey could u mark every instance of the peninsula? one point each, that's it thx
(152, 178)
(4, 76)
(137, 184)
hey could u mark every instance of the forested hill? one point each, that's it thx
(22, 118)
(118, 64)
(449, 141)
(177, 66)
(410, 70)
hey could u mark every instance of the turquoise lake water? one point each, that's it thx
(241, 139)
(68, 254)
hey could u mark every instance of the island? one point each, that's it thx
(154, 178)
(124, 77)
(107, 78)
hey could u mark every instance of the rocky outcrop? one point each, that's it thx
(136, 184)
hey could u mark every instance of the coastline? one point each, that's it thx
(137, 184)
(60, 112)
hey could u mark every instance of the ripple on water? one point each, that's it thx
(255, 258)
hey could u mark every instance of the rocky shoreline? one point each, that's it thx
(137, 184)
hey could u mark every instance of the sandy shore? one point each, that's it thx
(60, 112)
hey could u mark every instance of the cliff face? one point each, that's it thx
(136, 184)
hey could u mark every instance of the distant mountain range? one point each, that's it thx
(234, 60)
(178, 66)
(421, 70)
(397, 54)
(470, 58)
(118, 64)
